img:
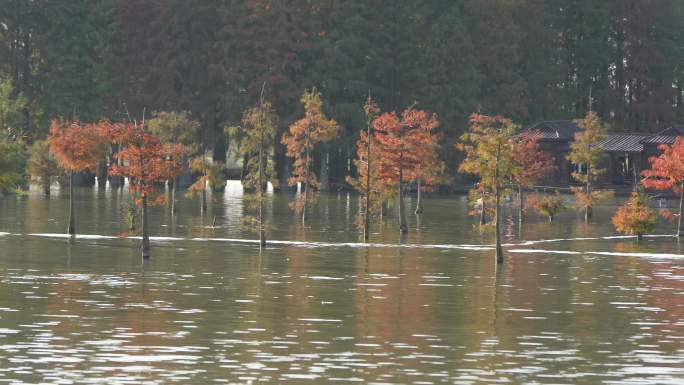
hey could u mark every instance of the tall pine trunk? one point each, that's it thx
(71, 229)
(145, 230)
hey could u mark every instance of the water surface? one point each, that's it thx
(318, 307)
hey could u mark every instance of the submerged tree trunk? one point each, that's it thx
(173, 196)
(588, 212)
(499, 249)
(260, 186)
(306, 186)
(145, 233)
(419, 203)
(71, 229)
(102, 175)
(203, 207)
(403, 228)
(366, 214)
(521, 205)
(325, 172)
(46, 186)
(680, 228)
(483, 211)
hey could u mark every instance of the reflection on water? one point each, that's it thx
(317, 307)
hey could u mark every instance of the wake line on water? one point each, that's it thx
(606, 253)
(271, 242)
(510, 246)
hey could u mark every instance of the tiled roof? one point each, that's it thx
(659, 139)
(666, 136)
(562, 130)
(623, 142)
(565, 130)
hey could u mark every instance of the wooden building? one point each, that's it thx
(625, 154)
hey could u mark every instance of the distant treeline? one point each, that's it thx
(526, 59)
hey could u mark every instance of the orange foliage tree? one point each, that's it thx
(407, 146)
(301, 140)
(549, 205)
(77, 148)
(426, 175)
(667, 173)
(209, 172)
(635, 217)
(367, 182)
(146, 162)
(532, 165)
(585, 151)
(489, 147)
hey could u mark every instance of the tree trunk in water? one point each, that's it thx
(483, 215)
(260, 186)
(325, 172)
(71, 229)
(145, 232)
(521, 207)
(366, 219)
(588, 212)
(46, 187)
(550, 218)
(366, 214)
(680, 229)
(403, 228)
(499, 249)
(203, 209)
(219, 155)
(173, 196)
(306, 186)
(102, 176)
(640, 236)
(419, 203)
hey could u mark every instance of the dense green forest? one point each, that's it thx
(528, 60)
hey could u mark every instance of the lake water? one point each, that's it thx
(571, 305)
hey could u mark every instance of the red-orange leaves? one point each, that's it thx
(407, 145)
(532, 163)
(300, 141)
(143, 158)
(77, 147)
(667, 169)
(635, 217)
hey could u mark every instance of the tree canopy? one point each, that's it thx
(528, 60)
